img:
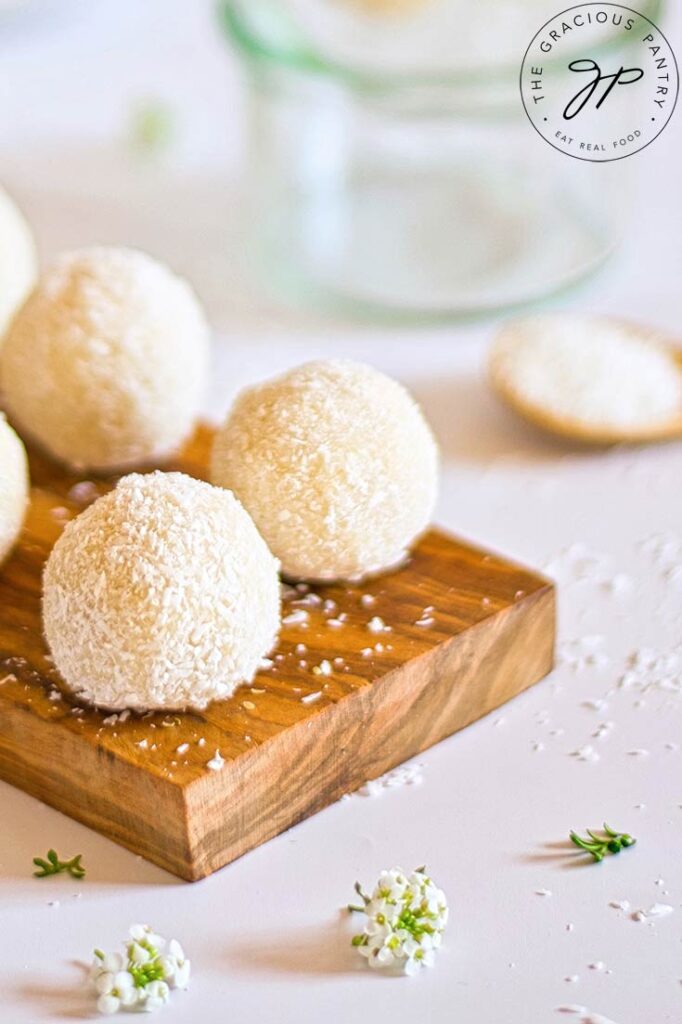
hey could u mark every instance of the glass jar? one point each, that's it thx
(419, 193)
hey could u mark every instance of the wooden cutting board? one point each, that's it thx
(467, 631)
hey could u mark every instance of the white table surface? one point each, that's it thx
(491, 816)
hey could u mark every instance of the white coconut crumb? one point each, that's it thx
(403, 775)
(54, 903)
(377, 625)
(142, 744)
(595, 704)
(310, 698)
(621, 585)
(586, 753)
(660, 910)
(9, 678)
(110, 720)
(299, 617)
(301, 648)
(248, 705)
(201, 742)
(367, 652)
(640, 752)
(571, 1008)
(659, 881)
(265, 664)
(426, 623)
(323, 669)
(671, 746)
(543, 892)
(53, 695)
(182, 749)
(602, 730)
(583, 653)
(216, 762)
(366, 600)
(570, 927)
(538, 746)
(83, 492)
(335, 623)
(598, 965)
(620, 905)
(572, 978)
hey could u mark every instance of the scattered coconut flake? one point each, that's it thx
(377, 625)
(638, 753)
(301, 648)
(310, 698)
(366, 600)
(620, 904)
(142, 744)
(598, 965)
(182, 749)
(403, 775)
(248, 705)
(298, 617)
(83, 491)
(543, 892)
(659, 910)
(602, 730)
(216, 762)
(595, 703)
(586, 753)
(264, 664)
(335, 623)
(571, 1008)
(583, 653)
(323, 669)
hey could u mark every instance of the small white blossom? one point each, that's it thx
(143, 977)
(406, 918)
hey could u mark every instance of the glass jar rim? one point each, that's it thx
(306, 60)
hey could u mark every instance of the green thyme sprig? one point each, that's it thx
(54, 866)
(598, 846)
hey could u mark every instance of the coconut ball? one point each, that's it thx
(13, 487)
(18, 260)
(337, 466)
(162, 594)
(105, 363)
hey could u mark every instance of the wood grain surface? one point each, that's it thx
(466, 631)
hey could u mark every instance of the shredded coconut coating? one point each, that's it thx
(588, 370)
(162, 594)
(105, 363)
(337, 466)
(13, 487)
(18, 260)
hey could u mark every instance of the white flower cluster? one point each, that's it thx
(406, 918)
(140, 979)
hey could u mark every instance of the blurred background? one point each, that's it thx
(352, 177)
